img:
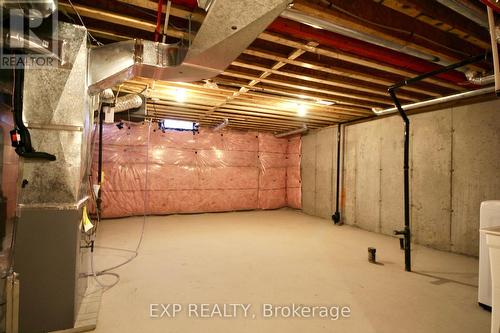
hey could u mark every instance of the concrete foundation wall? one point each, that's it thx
(454, 165)
(319, 171)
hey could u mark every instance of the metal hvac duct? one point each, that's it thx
(205, 4)
(466, 10)
(34, 8)
(474, 78)
(221, 38)
(56, 111)
(494, 49)
(127, 102)
(319, 23)
(122, 103)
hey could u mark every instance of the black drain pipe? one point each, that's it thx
(99, 160)
(392, 92)
(406, 166)
(336, 216)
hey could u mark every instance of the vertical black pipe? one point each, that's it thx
(336, 216)
(406, 167)
(392, 92)
(18, 97)
(99, 159)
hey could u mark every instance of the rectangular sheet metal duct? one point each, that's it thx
(48, 256)
(221, 38)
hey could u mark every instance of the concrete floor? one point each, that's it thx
(282, 257)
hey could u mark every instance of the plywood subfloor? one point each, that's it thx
(282, 257)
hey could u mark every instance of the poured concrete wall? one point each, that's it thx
(454, 165)
(319, 171)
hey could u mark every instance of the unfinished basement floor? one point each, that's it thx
(281, 257)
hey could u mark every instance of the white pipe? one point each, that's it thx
(436, 101)
(219, 127)
(301, 130)
(319, 23)
(494, 49)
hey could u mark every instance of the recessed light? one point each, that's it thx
(180, 95)
(302, 110)
(323, 102)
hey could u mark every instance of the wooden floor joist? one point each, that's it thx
(264, 88)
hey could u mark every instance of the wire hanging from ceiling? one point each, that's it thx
(81, 21)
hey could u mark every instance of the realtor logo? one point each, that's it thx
(29, 34)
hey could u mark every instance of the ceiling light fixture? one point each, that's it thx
(302, 110)
(323, 102)
(180, 95)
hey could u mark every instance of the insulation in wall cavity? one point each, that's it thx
(178, 172)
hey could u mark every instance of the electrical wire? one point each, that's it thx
(135, 253)
(139, 9)
(81, 21)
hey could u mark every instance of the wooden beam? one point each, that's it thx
(353, 59)
(450, 21)
(299, 96)
(150, 27)
(311, 114)
(332, 70)
(175, 10)
(331, 82)
(123, 20)
(403, 30)
(250, 117)
(253, 103)
(108, 35)
(316, 110)
(295, 54)
(256, 98)
(259, 98)
(283, 83)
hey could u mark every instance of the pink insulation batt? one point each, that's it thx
(178, 172)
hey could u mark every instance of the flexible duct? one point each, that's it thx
(494, 49)
(222, 125)
(33, 8)
(108, 95)
(475, 78)
(301, 130)
(128, 102)
(436, 101)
